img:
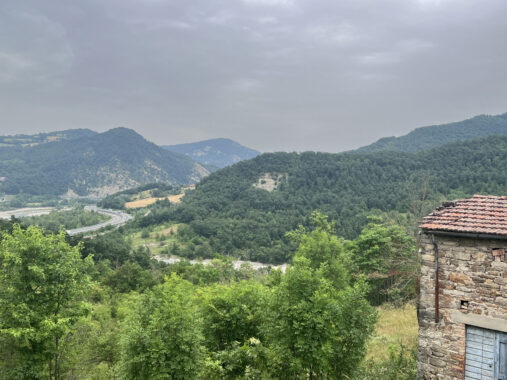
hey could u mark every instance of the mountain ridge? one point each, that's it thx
(219, 152)
(97, 165)
(44, 137)
(429, 137)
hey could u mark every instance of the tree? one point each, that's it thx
(323, 248)
(112, 246)
(386, 254)
(162, 338)
(233, 313)
(233, 316)
(313, 330)
(43, 289)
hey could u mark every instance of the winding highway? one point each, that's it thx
(25, 212)
(118, 218)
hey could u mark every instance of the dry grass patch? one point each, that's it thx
(172, 229)
(141, 202)
(176, 198)
(395, 326)
(149, 201)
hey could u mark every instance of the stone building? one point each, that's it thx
(463, 294)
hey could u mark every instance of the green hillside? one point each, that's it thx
(235, 217)
(437, 135)
(97, 165)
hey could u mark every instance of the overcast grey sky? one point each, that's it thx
(289, 75)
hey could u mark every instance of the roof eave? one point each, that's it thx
(465, 234)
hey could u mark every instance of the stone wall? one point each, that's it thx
(472, 290)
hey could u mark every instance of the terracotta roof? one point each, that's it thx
(481, 214)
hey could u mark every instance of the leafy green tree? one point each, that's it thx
(162, 338)
(112, 246)
(386, 254)
(130, 276)
(43, 289)
(323, 248)
(233, 316)
(232, 313)
(142, 256)
(313, 330)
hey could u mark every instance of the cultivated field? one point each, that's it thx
(148, 201)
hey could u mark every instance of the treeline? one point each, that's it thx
(235, 218)
(105, 311)
(433, 136)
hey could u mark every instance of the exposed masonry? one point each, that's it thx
(472, 291)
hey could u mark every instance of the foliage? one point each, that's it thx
(43, 288)
(130, 277)
(324, 250)
(111, 246)
(162, 337)
(437, 135)
(238, 219)
(201, 321)
(401, 365)
(385, 253)
(118, 200)
(316, 330)
(68, 219)
(44, 138)
(117, 157)
(232, 313)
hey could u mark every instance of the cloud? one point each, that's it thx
(274, 74)
(276, 3)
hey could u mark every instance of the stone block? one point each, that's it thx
(437, 362)
(460, 278)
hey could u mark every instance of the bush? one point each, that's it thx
(401, 365)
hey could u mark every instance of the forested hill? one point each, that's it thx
(437, 135)
(216, 152)
(232, 210)
(42, 138)
(96, 165)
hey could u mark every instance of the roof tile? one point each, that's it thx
(481, 214)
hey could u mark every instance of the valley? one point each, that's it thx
(277, 240)
(253, 190)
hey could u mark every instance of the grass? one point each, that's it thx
(152, 241)
(395, 326)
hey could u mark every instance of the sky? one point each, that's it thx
(275, 75)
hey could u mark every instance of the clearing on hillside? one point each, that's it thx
(270, 181)
(149, 201)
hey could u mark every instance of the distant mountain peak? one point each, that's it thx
(97, 165)
(219, 152)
